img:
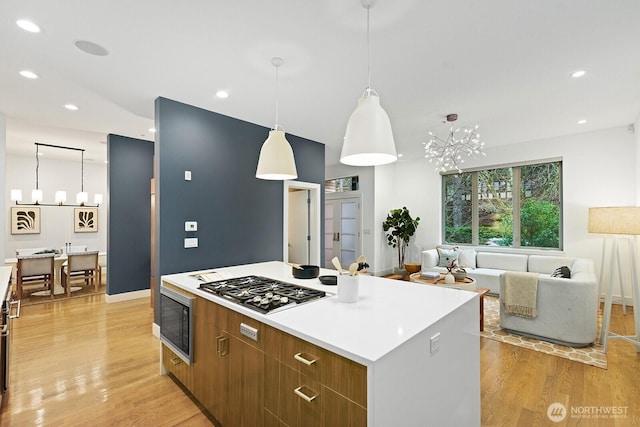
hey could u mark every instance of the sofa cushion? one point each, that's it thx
(487, 278)
(467, 258)
(547, 263)
(502, 261)
(447, 256)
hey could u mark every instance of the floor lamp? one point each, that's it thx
(618, 221)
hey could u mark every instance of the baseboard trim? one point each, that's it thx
(155, 330)
(126, 296)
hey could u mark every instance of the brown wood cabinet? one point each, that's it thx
(173, 364)
(306, 385)
(228, 367)
(276, 380)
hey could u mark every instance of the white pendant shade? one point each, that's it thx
(36, 196)
(276, 160)
(61, 197)
(82, 197)
(16, 195)
(368, 140)
(97, 199)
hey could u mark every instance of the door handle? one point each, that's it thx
(336, 237)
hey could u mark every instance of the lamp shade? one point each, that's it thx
(82, 197)
(276, 160)
(61, 197)
(97, 199)
(615, 220)
(368, 140)
(16, 195)
(36, 196)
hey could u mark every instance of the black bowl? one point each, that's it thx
(305, 272)
(328, 280)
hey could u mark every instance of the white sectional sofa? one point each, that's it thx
(567, 308)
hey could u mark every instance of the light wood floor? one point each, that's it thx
(84, 362)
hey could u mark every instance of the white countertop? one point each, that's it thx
(5, 280)
(387, 314)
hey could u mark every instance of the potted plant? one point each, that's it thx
(399, 227)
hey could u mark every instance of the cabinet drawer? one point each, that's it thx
(180, 370)
(344, 376)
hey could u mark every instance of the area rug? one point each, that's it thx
(592, 355)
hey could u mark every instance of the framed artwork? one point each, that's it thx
(25, 220)
(85, 220)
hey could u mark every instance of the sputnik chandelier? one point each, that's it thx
(449, 153)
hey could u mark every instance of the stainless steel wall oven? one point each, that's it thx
(176, 322)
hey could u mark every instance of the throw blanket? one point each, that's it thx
(520, 292)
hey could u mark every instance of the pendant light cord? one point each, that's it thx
(368, 53)
(37, 166)
(277, 101)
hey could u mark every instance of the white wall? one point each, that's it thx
(56, 222)
(3, 177)
(599, 169)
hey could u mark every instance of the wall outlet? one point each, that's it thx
(434, 343)
(191, 242)
(191, 226)
(187, 175)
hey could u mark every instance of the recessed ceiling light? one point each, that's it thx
(71, 107)
(582, 121)
(28, 74)
(28, 25)
(222, 94)
(152, 130)
(578, 73)
(91, 48)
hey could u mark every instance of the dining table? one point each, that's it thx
(58, 260)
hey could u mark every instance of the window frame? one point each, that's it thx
(516, 199)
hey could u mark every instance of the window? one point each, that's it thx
(516, 206)
(340, 185)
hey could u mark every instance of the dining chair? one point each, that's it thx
(35, 270)
(82, 268)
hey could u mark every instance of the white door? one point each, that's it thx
(342, 231)
(301, 226)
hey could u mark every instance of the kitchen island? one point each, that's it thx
(403, 354)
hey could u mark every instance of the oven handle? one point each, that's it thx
(11, 304)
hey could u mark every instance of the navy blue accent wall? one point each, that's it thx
(239, 216)
(129, 173)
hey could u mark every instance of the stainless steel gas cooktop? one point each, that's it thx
(262, 293)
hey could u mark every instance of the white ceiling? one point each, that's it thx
(504, 65)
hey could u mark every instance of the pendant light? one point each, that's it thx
(276, 160)
(368, 140)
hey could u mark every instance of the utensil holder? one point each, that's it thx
(348, 288)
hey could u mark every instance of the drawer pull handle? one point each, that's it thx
(175, 361)
(221, 345)
(299, 392)
(307, 362)
(17, 304)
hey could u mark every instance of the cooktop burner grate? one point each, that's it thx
(261, 293)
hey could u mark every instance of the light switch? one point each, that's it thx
(191, 242)
(187, 175)
(191, 226)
